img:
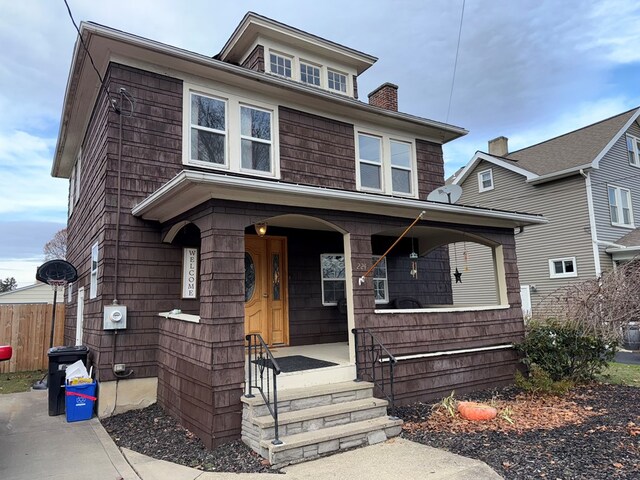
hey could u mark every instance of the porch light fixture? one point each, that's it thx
(261, 229)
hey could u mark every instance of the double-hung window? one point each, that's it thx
(333, 279)
(208, 129)
(255, 134)
(633, 147)
(337, 81)
(280, 65)
(370, 161)
(401, 166)
(563, 267)
(485, 180)
(620, 206)
(309, 74)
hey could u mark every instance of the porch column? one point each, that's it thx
(360, 298)
(222, 307)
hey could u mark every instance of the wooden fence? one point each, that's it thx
(26, 327)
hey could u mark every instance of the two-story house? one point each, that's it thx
(251, 193)
(585, 182)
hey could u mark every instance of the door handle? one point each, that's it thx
(264, 295)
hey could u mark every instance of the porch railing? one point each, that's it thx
(263, 375)
(375, 363)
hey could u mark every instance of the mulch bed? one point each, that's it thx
(154, 433)
(591, 433)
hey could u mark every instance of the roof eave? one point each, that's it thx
(479, 156)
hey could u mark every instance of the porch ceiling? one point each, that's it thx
(189, 189)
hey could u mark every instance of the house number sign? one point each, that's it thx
(189, 272)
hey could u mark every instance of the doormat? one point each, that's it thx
(296, 363)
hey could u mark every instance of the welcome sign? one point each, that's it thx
(189, 272)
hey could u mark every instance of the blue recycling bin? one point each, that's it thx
(80, 399)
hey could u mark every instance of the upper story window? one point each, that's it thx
(563, 267)
(620, 206)
(74, 183)
(280, 65)
(633, 147)
(337, 81)
(485, 180)
(255, 132)
(385, 164)
(309, 74)
(226, 132)
(208, 129)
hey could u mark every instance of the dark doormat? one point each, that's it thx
(296, 363)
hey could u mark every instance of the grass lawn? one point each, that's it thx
(621, 374)
(19, 381)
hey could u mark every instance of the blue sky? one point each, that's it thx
(527, 69)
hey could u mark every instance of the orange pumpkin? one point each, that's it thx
(476, 411)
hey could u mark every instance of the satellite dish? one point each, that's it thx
(56, 271)
(446, 194)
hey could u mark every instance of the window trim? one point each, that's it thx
(284, 56)
(635, 142)
(552, 270)
(400, 167)
(385, 300)
(346, 81)
(322, 279)
(481, 187)
(93, 272)
(269, 142)
(386, 180)
(618, 207)
(306, 63)
(195, 161)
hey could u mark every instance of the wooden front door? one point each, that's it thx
(266, 305)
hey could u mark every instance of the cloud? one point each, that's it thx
(22, 269)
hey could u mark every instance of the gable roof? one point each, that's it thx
(563, 155)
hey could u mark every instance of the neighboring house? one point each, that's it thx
(255, 191)
(36, 293)
(586, 183)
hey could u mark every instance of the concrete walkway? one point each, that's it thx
(35, 445)
(628, 357)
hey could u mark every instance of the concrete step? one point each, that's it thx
(310, 397)
(308, 445)
(309, 419)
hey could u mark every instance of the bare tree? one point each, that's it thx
(8, 284)
(56, 248)
(603, 306)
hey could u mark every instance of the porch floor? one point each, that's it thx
(329, 352)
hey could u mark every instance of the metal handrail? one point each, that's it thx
(260, 360)
(371, 359)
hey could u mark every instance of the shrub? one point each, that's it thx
(540, 381)
(565, 350)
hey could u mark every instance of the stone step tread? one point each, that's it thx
(331, 433)
(308, 392)
(320, 412)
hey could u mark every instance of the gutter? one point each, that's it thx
(592, 223)
(560, 174)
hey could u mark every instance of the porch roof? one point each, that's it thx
(189, 189)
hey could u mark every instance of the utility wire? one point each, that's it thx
(455, 64)
(112, 101)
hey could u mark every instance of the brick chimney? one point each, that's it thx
(385, 96)
(499, 147)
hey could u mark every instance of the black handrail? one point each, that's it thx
(260, 360)
(371, 358)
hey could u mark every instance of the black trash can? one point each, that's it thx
(631, 340)
(59, 359)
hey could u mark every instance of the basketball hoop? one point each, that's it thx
(57, 285)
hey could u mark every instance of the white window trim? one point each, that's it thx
(233, 141)
(347, 81)
(195, 161)
(74, 184)
(302, 62)
(385, 300)
(258, 140)
(322, 279)
(386, 181)
(618, 196)
(552, 270)
(411, 169)
(93, 284)
(69, 292)
(78, 175)
(636, 150)
(481, 187)
(291, 58)
(80, 316)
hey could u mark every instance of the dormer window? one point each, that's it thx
(309, 74)
(337, 81)
(280, 65)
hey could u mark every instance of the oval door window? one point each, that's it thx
(249, 277)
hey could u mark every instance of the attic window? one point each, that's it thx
(485, 180)
(337, 81)
(280, 65)
(309, 74)
(633, 147)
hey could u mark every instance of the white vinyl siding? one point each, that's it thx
(93, 283)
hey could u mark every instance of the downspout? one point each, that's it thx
(592, 223)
